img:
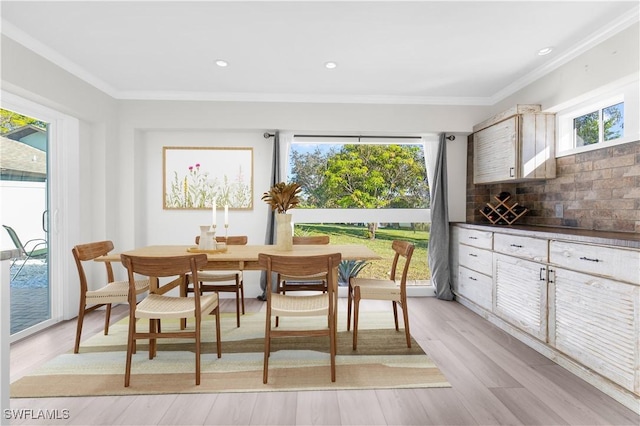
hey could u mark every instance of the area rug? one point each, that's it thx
(382, 361)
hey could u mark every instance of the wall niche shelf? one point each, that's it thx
(503, 213)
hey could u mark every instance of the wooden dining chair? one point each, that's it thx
(106, 294)
(317, 282)
(381, 289)
(284, 305)
(224, 281)
(157, 306)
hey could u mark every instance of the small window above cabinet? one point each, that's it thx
(516, 145)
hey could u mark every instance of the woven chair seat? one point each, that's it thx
(283, 305)
(377, 289)
(160, 307)
(116, 292)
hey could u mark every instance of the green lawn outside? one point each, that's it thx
(351, 234)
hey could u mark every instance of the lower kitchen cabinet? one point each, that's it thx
(595, 321)
(573, 297)
(521, 294)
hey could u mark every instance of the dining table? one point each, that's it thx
(240, 257)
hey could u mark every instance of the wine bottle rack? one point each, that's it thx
(503, 213)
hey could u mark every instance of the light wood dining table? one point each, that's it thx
(242, 257)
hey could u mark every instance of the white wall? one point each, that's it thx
(22, 206)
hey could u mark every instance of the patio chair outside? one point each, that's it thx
(32, 249)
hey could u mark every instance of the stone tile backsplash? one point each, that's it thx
(597, 190)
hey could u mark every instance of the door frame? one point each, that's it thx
(62, 203)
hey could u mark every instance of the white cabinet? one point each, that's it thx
(516, 148)
(521, 294)
(521, 278)
(573, 299)
(595, 308)
(595, 321)
(474, 280)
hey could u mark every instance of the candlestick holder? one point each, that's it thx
(212, 235)
(226, 231)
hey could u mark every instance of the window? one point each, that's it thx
(363, 188)
(605, 117)
(605, 124)
(357, 175)
(360, 179)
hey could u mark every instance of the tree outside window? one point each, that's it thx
(603, 125)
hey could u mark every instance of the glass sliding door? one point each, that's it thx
(24, 215)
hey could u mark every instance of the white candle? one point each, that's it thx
(226, 215)
(213, 211)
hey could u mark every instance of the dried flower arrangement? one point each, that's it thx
(282, 196)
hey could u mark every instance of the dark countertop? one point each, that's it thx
(619, 239)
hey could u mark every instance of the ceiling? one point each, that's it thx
(415, 52)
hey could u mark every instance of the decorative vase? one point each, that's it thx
(202, 242)
(284, 232)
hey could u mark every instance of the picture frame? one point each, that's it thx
(194, 176)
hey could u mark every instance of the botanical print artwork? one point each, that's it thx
(196, 176)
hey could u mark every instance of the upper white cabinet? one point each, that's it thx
(518, 144)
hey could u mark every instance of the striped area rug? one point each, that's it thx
(382, 361)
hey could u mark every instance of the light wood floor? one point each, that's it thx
(496, 380)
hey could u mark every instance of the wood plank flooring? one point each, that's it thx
(496, 380)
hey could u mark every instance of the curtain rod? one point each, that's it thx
(268, 135)
(357, 136)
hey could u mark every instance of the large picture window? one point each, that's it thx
(363, 188)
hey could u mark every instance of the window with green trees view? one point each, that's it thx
(604, 124)
(364, 176)
(365, 193)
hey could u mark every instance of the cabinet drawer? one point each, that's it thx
(475, 287)
(617, 263)
(595, 321)
(476, 238)
(476, 259)
(525, 247)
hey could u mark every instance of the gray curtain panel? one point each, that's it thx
(439, 237)
(270, 236)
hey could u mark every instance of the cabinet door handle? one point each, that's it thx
(516, 245)
(541, 271)
(590, 260)
(551, 271)
(512, 172)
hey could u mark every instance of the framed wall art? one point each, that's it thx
(193, 177)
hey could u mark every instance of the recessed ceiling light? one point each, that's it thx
(545, 51)
(331, 65)
(221, 63)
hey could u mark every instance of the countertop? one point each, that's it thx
(618, 239)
